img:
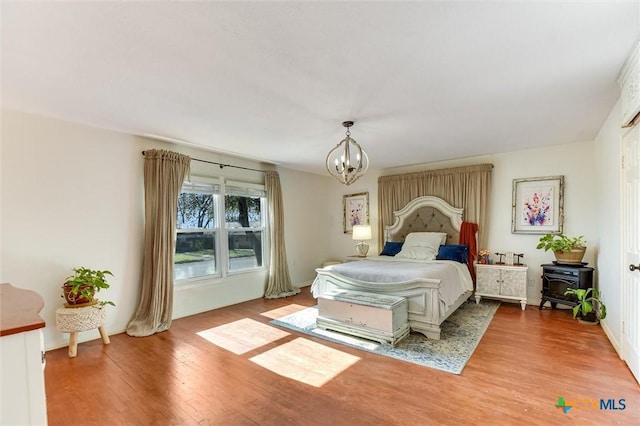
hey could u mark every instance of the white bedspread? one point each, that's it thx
(453, 276)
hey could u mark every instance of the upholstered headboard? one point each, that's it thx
(426, 214)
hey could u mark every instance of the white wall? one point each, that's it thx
(607, 190)
(72, 195)
(341, 244)
(1, 198)
(574, 161)
(306, 223)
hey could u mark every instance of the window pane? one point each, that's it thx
(245, 250)
(195, 255)
(195, 210)
(242, 212)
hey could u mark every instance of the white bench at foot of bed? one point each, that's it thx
(377, 317)
(424, 307)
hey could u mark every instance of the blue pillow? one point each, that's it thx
(391, 249)
(456, 252)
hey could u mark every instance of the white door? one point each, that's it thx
(631, 251)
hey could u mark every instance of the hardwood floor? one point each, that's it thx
(524, 362)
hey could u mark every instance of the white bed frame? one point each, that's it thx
(423, 214)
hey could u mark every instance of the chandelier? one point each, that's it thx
(347, 161)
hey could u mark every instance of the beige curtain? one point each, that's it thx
(279, 284)
(466, 187)
(164, 173)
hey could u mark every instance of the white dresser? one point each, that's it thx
(22, 396)
(502, 282)
(372, 316)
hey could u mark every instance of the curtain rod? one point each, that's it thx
(222, 165)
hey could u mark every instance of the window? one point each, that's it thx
(197, 231)
(243, 206)
(206, 244)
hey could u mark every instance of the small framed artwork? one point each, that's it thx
(537, 205)
(356, 210)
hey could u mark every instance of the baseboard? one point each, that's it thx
(304, 284)
(87, 336)
(83, 336)
(612, 339)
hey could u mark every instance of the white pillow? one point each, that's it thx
(417, 253)
(422, 245)
(425, 239)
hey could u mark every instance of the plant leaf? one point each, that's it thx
(575, 310)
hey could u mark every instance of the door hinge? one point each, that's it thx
(622, 162)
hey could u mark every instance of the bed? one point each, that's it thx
(434, 289)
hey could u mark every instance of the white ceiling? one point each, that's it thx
(423, 81)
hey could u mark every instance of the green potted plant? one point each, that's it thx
(568, 250)
(590, 309)
(80, 288)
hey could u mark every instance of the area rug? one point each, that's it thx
(460, 335)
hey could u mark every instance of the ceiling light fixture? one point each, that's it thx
(347, 161)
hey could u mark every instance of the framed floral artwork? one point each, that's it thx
(537, 206)
(356, 210)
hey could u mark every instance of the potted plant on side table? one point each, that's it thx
(590, 309)
(568, 250)
(80, 288)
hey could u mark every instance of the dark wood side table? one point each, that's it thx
(557, 278)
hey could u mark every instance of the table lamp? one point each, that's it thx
(362, 233)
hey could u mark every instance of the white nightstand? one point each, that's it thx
(354, 258)
(502, 282)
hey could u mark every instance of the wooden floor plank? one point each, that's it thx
(524, 362)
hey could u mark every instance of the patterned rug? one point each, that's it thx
(460, 335)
